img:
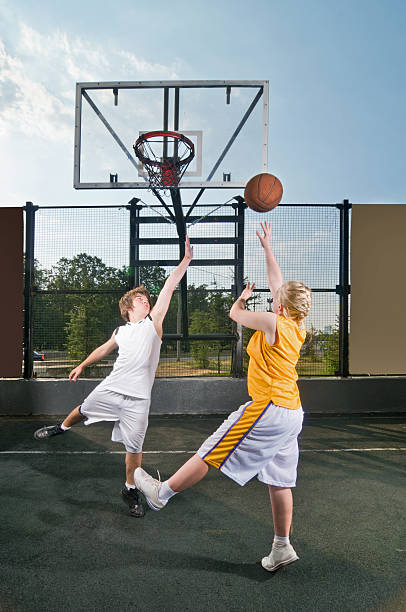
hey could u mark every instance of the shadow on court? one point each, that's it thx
(68, 544)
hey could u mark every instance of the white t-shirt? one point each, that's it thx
(138, 355)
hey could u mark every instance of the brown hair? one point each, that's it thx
(295, 299)
(126, 302)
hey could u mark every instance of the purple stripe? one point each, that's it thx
(229, 429)
(246, 434)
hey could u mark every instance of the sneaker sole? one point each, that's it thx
(150, 504)
(281, 564)
(37, 437)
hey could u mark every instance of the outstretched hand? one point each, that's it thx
(266, 238)
(247, 292)
(188, 249)
(76, 372)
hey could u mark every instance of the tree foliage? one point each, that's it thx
(76, 309)
(79, 310)
(211, 317)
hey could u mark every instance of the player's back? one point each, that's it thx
(272, 368)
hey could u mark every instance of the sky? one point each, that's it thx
(336, 72)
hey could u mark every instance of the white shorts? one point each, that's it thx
(129, 413)
(259, 439)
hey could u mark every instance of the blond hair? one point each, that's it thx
(126, 302)
(295, 299)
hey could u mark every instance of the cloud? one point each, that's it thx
(38, 73)
(27, 105)
(148, 69)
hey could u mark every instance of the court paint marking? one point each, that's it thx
(190, 452)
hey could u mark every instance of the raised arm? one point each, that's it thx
(98, 353)
(273, 271)
(264, 321)
(164, 299)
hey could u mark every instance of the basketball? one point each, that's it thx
(263, 192)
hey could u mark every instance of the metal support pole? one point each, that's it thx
(180, 311)
(181, 228)
(343, 289)
(179, 326)
(176, 122)
(28, 287)
(134, 271)
(237, 369)
(166, 120)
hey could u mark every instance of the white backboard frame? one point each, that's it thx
(83, 90)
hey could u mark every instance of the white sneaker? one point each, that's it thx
(150, 488)
(281, 554)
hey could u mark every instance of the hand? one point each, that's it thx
(76, 372)
(188, 249)
(265, 240)
(247, 292)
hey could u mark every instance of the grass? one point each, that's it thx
(170, 367)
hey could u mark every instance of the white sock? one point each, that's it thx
(165, 492)
(128, 486)
(63, 427)
(281, 540)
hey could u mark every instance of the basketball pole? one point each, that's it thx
(180, 221)
(30, 210)
(181, 229)
(237, 367)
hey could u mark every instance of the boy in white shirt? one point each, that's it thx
(124, 396)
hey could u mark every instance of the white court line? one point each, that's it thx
(189, 452)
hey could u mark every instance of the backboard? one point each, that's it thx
(226, 120)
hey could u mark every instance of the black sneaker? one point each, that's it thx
(132, 498)
(47, 432)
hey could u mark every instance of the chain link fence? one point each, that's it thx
(86, 258)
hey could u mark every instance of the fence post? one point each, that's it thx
(343, 289)
(237, 369)
(29, 209)
(134, 275)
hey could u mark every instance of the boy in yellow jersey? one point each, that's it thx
(260, 438)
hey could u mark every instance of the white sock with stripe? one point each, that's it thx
(281, 540)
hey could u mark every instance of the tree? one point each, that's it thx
(200, 348)
(310, 344)
(59, 316)
(83, 330)
(214, 320)
(328, 341)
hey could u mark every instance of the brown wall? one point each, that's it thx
(11, 300)
(378, 289)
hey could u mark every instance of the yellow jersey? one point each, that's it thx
(272, 368)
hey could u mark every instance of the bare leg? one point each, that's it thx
(189, 474)
(282, 509)
(73, 417)
(132, 461)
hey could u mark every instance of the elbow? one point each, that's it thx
(231, 314)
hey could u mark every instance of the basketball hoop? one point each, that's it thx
(165, 156)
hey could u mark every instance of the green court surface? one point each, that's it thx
(68, 544)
